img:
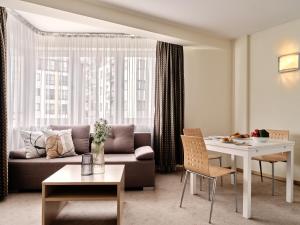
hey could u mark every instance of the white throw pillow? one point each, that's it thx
(35, 145)
(59, 143)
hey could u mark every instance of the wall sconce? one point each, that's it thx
(288, 63)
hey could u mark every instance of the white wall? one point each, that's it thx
(241, 85)
(274, 97)
(208, 89)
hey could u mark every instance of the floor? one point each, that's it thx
(160, 207)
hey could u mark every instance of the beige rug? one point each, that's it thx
(160, 207)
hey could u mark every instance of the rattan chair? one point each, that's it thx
(273, 158)
(197, 132)
(196, 162)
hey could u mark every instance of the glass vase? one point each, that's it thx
(98, 157)
(87, 164)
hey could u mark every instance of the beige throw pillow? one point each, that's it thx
(59, 143)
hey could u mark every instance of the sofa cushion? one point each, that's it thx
(80, 136)
(45, 162)
(144, 153)
(138, 173)
(120, 140)
(119, 158)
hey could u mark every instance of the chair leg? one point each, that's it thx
(185, 180)
(209, 189)
(201, 181)
(182, 172)
(214, 180)
(236, 194)
(273, 185)
(220, 159)
(260, 168)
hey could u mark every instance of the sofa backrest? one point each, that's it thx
(120, 140)
(123, 139)
(80, 136)
(142, 139)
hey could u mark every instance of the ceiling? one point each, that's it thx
(225, 18)
(52, 24)
(228, 18)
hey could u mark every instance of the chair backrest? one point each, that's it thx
(192, 132)
(279, 134)
(195, 154)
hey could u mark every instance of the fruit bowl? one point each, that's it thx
(260, 139)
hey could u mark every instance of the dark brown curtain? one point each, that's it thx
(3, 110)
(169, 106)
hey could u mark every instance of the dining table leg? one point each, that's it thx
(247, 186)
(290, 177)
(233, 166)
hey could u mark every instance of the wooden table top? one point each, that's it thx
(71, 175)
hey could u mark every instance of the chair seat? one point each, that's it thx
(216, 171)
(214, 156)
(272, 158)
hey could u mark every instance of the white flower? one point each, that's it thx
(102, 131)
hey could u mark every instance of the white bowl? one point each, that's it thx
(260, 139)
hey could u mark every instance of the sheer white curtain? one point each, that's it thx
(77, 79)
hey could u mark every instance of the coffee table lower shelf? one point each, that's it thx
(81, 193)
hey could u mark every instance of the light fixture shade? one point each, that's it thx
(288, 63)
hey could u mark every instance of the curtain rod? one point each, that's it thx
(66, 34)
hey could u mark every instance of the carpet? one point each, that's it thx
(160, 206)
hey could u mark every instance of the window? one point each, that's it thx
(51, 64)
(50, 94)
(63, 109)
(37, 107)
(64, 95)
(136, 91)
(38, 77)
(65, 66)
(141, 84)
(50, 79)
(64, 80)
(50, 109)
(79, 79)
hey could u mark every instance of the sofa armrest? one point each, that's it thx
(144, 153)
(18, 154)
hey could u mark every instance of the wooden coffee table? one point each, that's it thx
(67, 184)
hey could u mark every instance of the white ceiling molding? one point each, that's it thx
(126, 22)
(51, 24)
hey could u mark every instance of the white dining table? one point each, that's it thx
(247, 152)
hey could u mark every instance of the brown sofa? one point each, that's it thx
(138, 157)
